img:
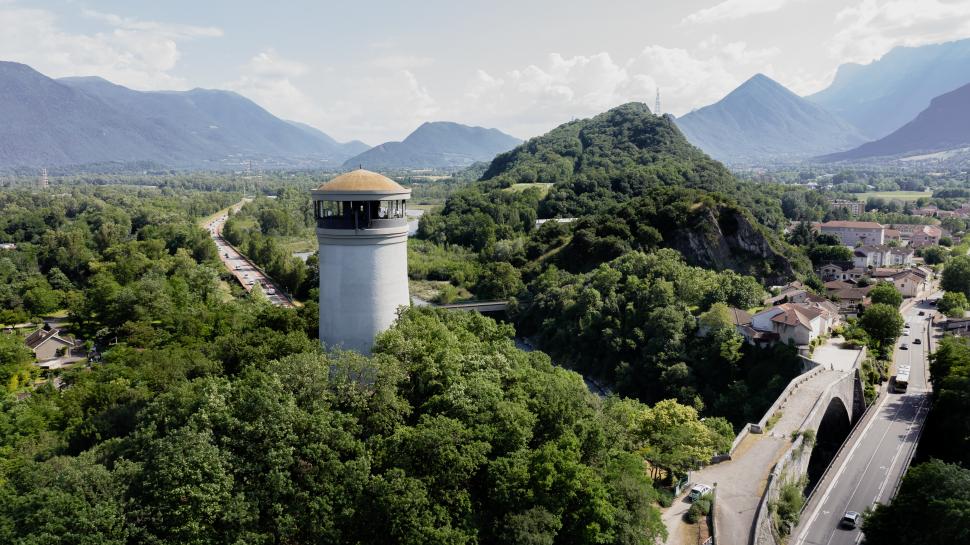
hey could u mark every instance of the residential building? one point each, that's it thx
(893, 235)
(841, 271)
(909, 283)
(49, 343)
(926, 235)
(882, 256)
(854, 233)
(797, 323)
(850, 300)
(853, 207)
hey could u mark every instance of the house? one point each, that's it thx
(957, 326)
(909, 283)
(841, 271)
(853, 207)
(926, 235)
(851, 299)
(796, 323)
(893, 235)
(49, 343)
(881, 256)
(853, 233)
(784, 293)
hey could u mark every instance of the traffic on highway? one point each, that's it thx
(242, 269)
(877, 453)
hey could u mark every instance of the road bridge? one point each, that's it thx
(824, 398)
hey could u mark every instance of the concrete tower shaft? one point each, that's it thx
(362, 233)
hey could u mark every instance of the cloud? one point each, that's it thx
(734, 9)
(368, 106)
(870, 28)
(139, 54)
(531, 100)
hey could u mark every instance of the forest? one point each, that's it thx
(212, 417)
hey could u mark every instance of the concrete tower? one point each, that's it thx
(362, 231)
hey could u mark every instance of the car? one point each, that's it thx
(850, 519)
(698, 491)
(251, 282)
(238, 267)
(921, 313)
(904, 346)
(917, 341)
(270, 292)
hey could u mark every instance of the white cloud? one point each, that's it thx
(734, 9)
(531, 100)
(362, 106)
(139, 54)
(873, 27)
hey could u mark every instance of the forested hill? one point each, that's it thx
(591, 167)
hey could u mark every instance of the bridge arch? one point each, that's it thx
(832, 431)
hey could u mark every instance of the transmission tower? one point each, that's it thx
(656, 104)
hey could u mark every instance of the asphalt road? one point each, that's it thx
(877, 453)
(246, 274)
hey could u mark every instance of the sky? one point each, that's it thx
(374, 70)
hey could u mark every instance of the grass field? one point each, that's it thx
(897, 195)
(543, 188)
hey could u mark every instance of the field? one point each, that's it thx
(543, 187)
(896, 195)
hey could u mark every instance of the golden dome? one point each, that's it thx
(361, 181)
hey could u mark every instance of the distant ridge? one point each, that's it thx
(762, 121)
(944, 125)
(884, 95)
(439, 144)
(89, 120)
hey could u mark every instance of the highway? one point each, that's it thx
(877, 453)
(242, 269)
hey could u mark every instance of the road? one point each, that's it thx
(241, 268)
(877, 452)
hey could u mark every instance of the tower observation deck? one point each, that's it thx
(362, 233)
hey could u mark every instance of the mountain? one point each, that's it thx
(884, 95)
(943, 126)
(439, 144)
(762, 121)
(77, 121)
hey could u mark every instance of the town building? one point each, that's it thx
(926, 235)
(362, 232)
(797, 323)
(882, 256)
(853, 207)
(854, 233)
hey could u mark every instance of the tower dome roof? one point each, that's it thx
(361, 181)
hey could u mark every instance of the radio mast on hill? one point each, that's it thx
(656, 104)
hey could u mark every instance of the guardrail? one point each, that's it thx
(782, 397)
(279, 289)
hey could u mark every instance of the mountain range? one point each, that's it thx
(885, 94)
(77, 121)
(438, 144)
(944, 125)
(763, 121)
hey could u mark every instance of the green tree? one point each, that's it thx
(499, 281)
(883, 323)
(933, 255)
(932, 508)
(956, 275)
(953, 304)
(887, 294)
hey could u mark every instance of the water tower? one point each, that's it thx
(362, 231)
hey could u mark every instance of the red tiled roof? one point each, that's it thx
(852, 224)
